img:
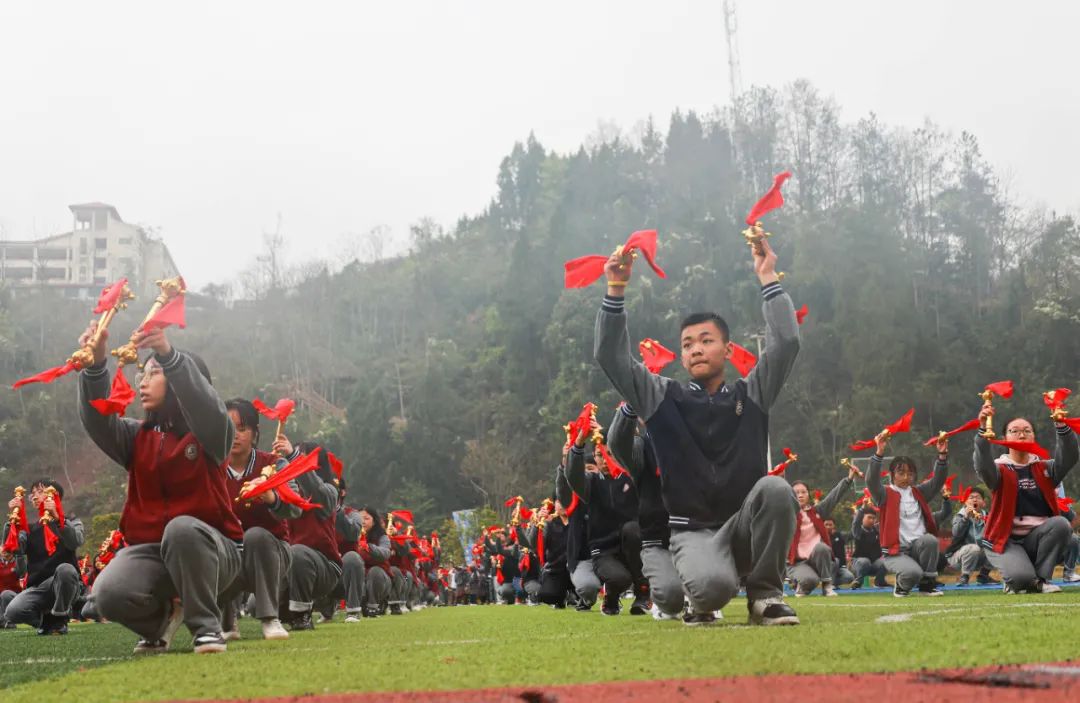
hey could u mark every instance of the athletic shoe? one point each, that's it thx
(1046, 587)
(658, 614)
(899, 592)
(272, 630)
(583, 607)
(986, 580)
(930, 588)
(231, 635)
(691, 619)
(771, 611)
(604, 610)
(1072, 577)
(1007, 589)
(395, 609)
(151, 647)
(799, 593)
(302, 621)
(828, 591)
(640, 606)
(371, 612)
(964, 580)
(210, 643)
(352, 617)
(856, 585)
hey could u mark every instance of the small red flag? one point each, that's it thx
(770, 201)
(780, 468)
(655, 355)
(949, 482)
(511, 502)
(46, 376)
(582, 425)
(1001, 388)
(171, 313)
(297, 467)
(336, 465)
(967, 426)
(901, 425)
(280, 412)
(801, 313)
(1055, 399)
(742, 359)
(614, 468)
(288, 495)
(963, 495)
(1065, 503)
(1073, 422)
(862, 444)
(1027, 447)
(110, 296)
(583, 271)
(120, 396)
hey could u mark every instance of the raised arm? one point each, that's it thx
(349, 525)
(113, 434)
(856, 524)
(767, 378)
(563, 492)
(932, 486)
(942, 516)
(575, 473)
(1065, 454)
(202, 408)
(625, 444)
(827, 504)
(71, 535)
(639, 387)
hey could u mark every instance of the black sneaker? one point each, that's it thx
(210, 643)
(856, 584)
(899, 592)
(559, 606)
(640, 606)
(691, 619)
(302, 621)
(395, 609)
(771, 611)
(929, 587)
(582, 606)
(371, 612)
(614, 610)
(964, 580)
(984, 579)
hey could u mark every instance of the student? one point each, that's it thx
(728, 520)
(866, 557)
(10, 585)
(374, 549)
(810, 557)
(529, 564)
(266, 557)
(909, 542)
(578, 562)
(612, 504)
(1025, 534)
(555, 582)
(183, 538)
(631, 446)
(52, 580)
(504, 558)
(965, 553)
(348, 526)
(841, 574)
(316, 562)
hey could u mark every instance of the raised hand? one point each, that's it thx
(882, 441)
(765, 262)
(154, 339)
(282, 445)
(98, 348)
(618, 269)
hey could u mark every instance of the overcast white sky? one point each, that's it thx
(207, 119)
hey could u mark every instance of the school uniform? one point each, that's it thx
(316, 561)
(908, 531)
(11, 577)
(183, 538)
(52, 580)
(810, 556)
(866, 559)
(728, 520)
(1025, 534)
(578, 562)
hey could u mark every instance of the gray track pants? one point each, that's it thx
(1034, 556)
(665, 588)
(968, 559)
(586, 582)
(915, 562)
(52, 596)
(811, 572)
(312, 577)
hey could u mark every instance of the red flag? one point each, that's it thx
(525, 513)
(575, 501)
(964, 494)
(1073, 422)
(110, 296)
(499, 578)
(336, 465)
(866, 498)
(1055, 399)
(780, 468)
(46, 376)
(770, 201)
(524, 563)
(801, 313)
(540, 544)
(742, 359)
(817, 495)
(510, 502)
(901, 425)
(120, 396)
(583, 423)
(583, 271)
(288, 495)
(949, 482)
(171, 313)
(655, 355)
(280, 412)
(405, 516)
(967, 426)
(1001, 388)
(298, 466)
(1028, 447)
(1065, 504)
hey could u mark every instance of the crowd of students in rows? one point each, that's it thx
(672, 503)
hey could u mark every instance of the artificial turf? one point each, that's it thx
(470, 647)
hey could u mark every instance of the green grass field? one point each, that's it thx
(469, 647)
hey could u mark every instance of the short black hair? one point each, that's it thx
(899, 461)
(48, 483)
(799, 483)
(249, 416)
(698, 318)
(1014, 419)
(169, 415)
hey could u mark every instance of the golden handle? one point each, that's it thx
(170, 288)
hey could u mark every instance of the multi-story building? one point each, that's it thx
(99, 249)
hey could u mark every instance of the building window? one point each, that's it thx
(99, 263)
(19, 274)
(25, 253)
(101, 242)
(83, 220)
(52, 274)
(52, 254)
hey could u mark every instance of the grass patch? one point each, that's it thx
(469, 647)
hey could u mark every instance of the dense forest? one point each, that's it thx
(443, 376)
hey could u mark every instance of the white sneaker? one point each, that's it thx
(828, 591)
(658, 614)
(211, 643)
(352, 617)
(272, 630)
(1072, 577)
(771, 611)
(1047, 587)
(231, 635)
